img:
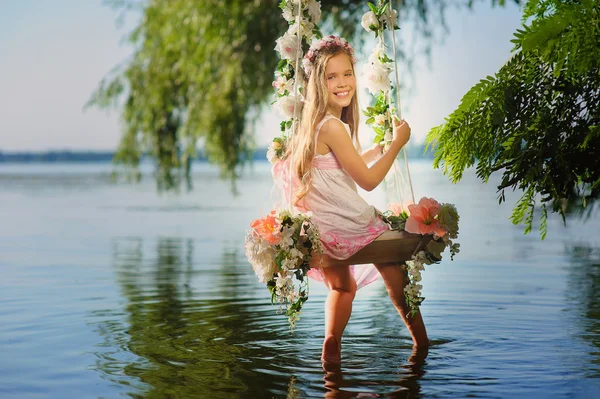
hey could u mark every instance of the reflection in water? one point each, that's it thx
(583, 290)
(407, 383)
(173, 342)
(188, 328)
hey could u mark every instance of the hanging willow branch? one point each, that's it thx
(201, 72)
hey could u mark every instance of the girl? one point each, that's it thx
(326, 169)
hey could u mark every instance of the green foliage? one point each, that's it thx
(536, 121)
(201, 72)
(396, 222)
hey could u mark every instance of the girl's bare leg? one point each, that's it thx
(338, 307)
(395, 279)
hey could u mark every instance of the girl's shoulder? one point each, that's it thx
(327, 118)
(330, 122)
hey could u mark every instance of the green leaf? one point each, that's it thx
(373, 7)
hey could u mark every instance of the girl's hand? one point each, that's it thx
(401, 131)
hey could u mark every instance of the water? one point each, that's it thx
(113, 290)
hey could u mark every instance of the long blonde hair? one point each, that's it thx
(314, 110)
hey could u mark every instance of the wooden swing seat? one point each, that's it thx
(390, 247)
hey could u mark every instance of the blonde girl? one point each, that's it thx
(327, 166)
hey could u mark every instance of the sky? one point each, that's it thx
(54, 54)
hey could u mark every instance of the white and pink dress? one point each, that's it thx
(347, 223)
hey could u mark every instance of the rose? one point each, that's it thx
(287, 45)
(268, 228)
(285, 105)
(377, 78)
(370, 22)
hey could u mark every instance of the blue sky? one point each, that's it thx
(54, 54)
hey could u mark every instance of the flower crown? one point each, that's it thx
(329, 41)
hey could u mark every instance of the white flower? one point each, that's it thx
(369, 21)
(293, 297)
(286, 105)
(390, 18)
(380, 119)
(377, 78)
(272, 155)
(377, 53)
(287, 46)
(314, 10)
(294, 4)
(289, 264)
(296, 253)
(286, 237)
(288, 13)
(374, 58)
(282, 84)
(261, 256)
(306, 28)
(307, 65)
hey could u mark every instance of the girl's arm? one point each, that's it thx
(371, 154)
(335, 136)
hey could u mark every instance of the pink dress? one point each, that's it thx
(346, 222)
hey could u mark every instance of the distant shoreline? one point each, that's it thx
(89, 156)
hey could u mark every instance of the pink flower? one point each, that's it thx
(268, 228)
(397, 208)
(422, 218)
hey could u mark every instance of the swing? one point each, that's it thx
(390, 247)
(284, 245)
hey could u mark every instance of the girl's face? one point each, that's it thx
(341, 82)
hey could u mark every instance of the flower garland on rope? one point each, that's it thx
(287, 70)
(428, 217)
(376, 72)
(280, 246)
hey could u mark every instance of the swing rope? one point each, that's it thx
(297, 72)
(398, 105)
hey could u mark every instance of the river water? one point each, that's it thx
(112, 290)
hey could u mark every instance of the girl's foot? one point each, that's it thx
(332, 351)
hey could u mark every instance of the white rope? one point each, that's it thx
(394, 173)
(296, 77)
(398, 105)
